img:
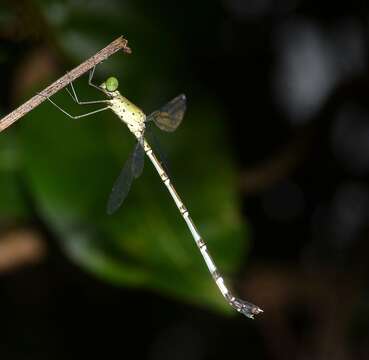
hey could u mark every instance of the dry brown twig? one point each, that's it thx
(113, 47)
(20, 247)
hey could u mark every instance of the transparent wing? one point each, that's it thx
(150, 135)
(121, 188)
(132, 169)
(170, 115)
(138, 158)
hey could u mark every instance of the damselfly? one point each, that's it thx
(166, 118)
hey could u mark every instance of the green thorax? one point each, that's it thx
(128, 112)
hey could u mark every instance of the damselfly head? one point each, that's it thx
(110, 84)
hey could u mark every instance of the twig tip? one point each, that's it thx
(125, 48)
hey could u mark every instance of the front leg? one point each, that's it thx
(74, 96)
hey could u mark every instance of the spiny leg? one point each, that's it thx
(74, 96)
(74, 116)
(90, 77)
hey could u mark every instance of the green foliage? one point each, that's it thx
(12, 191)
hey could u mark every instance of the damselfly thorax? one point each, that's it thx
(129, 113)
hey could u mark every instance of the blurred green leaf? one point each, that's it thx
(12, 191)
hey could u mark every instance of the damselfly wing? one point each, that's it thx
(169, 117)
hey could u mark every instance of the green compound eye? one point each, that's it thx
(111, 84)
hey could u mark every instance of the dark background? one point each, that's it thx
(287, 85)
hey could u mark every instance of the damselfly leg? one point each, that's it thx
(75, 98)
(90, 77)
(74, 116)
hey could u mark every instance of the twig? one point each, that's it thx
(19, 247)
(116, 45)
